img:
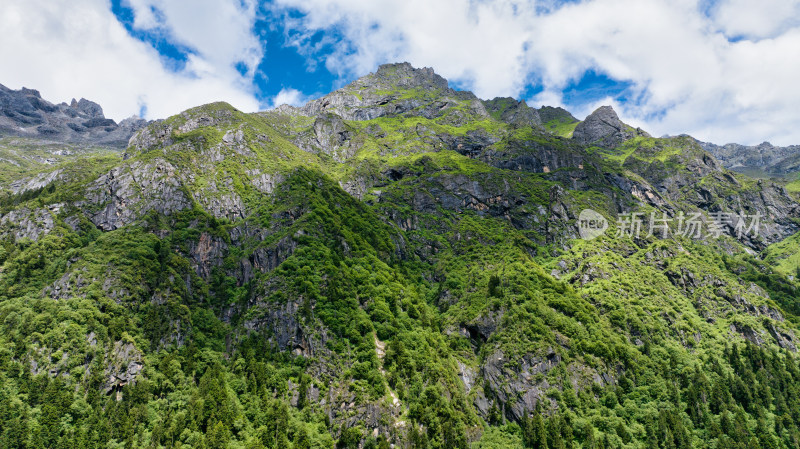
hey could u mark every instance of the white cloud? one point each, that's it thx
(684, 72)
(77, 48)
(292, 97)
(756, 19)
(480, 44)
(220, 31)
(692, 78)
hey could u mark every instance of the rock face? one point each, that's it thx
(124, 195)
(513, 112)
(29, 224)
(518, 387)
(332, 137)
(123, 366)
(549, 113)
(772, 160)
(24, 113)
(394, 89)
(721, 194)
(604, 129)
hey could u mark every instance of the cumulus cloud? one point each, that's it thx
(480, 44)
(710, 73)
(287, 95)
(220, 31)
(756, 19)
(78, 48)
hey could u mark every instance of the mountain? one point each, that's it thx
(762, 160)
(604, 129)
(395, 263)
(24, 113)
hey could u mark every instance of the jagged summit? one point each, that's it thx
(89, 108)
(403, 74)
(401, 89)
(550, 113)
(24, 113)
(395, 89)
(765, 158)
(604, 129)
(511, 111)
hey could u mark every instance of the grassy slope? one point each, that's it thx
(629, 317)
(561, 127)
(22, 158)
(785, 255)
(794, 186)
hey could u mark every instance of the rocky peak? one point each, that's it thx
(394, 89)
(511, 111)
(550, 113)
(90, 108)
(403, 75)
(604, 128)
(24, 113)
(773, 160)
(30, 92)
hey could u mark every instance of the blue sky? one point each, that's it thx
(721, 70)
(294, 59)
(287, 64)
(281, 67)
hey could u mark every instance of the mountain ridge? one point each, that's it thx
(397, 263)
(763, 159)
(24, 113)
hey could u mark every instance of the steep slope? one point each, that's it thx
(396, 262)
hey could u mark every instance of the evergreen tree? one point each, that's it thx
(538, 436)
(554, 433)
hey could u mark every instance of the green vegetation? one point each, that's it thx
(23, 159)
(649, 149)
(427, 292)
(785, 256)
(794, 186)
(562, 127)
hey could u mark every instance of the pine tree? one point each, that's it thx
(554, 433)
(538, 433)
(302, 395)
(349, 438)
(589, 441)
(652, 435)
(417, 439)
(765, 440)
(534, 433)
(623, 434)
(301, 440)
(567, 432)
(217, 436)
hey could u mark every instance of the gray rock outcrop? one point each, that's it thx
(394, 89)
(769, 159)
(24, 113)
(604, 129)
(513, 112)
